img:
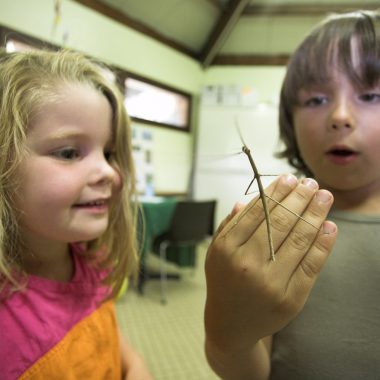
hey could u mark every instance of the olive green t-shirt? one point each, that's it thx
(337, 334)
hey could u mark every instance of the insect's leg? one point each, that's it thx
(294, 213)
(250, 184)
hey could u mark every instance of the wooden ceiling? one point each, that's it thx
(225, 32)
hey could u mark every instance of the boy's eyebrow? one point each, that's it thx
(321, 86)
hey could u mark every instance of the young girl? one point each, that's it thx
(66, 219)
(267, 320)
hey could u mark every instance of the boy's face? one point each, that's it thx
(66, 180)
(337, 129)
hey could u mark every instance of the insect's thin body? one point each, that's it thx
(264, 196)
(246, 150)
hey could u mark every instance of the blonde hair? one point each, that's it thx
(27, 81)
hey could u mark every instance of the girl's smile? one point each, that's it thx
(98, 206)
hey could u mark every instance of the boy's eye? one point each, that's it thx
(370, 97)
(66, 154)
(315, 101)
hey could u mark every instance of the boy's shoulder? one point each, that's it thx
(341, 216)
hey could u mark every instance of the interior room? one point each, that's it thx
(217, 67)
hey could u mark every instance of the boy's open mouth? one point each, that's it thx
(342, 155)
(341, 152)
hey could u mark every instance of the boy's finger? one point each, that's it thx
(305, 231)
(237, 207)
(245, 223)
(311, 264)
(286, 214)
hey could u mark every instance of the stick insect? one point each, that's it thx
(264, 196)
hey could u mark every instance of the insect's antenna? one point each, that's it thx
(239, 131)
(293, 212)
(245, 149)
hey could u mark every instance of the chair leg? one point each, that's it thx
(163, 274)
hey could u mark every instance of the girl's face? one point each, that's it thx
(66, 180)
(337, 129)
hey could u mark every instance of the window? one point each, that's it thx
(12, 45)
(146, 101)
(153, 104)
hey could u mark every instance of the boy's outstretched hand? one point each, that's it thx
(249, 296)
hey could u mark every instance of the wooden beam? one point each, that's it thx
(121, 17)
(306, 10)
(216, 3)
(221, 31)
(251, 60)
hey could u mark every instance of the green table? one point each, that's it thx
(157, 215)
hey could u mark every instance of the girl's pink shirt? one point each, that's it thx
(35, 320)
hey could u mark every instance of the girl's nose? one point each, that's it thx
(104, 172)
(342, 116)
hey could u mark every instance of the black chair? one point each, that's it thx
(192, 223)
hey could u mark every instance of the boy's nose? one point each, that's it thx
(342, 116)
(338, 125)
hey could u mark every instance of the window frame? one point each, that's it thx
(120, 74)
(186, 128)
(7, 33)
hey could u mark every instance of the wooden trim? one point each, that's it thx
(8, 33)
(305, 10)
(160, 124)
(221, 31)
(122, 18)
(251, 60)
(216, 3)
(171, 194)
(2, 37)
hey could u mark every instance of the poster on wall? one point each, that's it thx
(142, 143)
(229, 95)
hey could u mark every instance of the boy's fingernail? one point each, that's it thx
(290, 179)
(309, 182)
(328, 228)
(324, 196)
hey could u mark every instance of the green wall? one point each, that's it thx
(92, 33)
(101, 37)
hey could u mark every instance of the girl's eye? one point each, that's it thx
(109, 155)
(67, 154)
(370, 97)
